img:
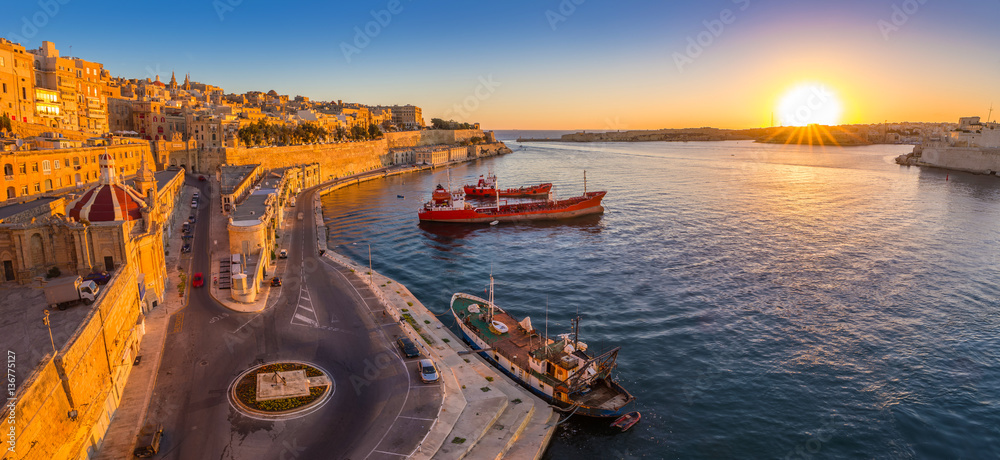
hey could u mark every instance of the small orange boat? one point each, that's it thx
(626, 421)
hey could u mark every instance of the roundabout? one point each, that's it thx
(281, 390)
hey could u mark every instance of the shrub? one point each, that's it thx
(54, 272)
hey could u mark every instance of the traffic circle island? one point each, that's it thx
(281, 390)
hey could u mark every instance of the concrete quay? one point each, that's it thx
(483, 414)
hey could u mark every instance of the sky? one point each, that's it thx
(558, 64)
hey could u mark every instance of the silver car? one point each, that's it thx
(428, 371)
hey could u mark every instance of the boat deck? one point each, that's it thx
(515, 344)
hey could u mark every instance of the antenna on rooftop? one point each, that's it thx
(990, 113)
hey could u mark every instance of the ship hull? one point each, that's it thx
(564, 209)
(511, 371)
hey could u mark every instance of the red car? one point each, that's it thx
(197, 281)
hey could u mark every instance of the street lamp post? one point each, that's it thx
(371, 276)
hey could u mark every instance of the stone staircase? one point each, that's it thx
(492, 425)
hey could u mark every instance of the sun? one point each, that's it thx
(809, 103)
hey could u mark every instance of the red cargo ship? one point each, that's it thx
(487, 188)
(446, 206)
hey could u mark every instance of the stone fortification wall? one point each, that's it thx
(31, 129)
(87, 375)
(430, 137)
(335, 160)
(972, 159)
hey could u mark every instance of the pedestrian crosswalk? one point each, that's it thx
(305, 312)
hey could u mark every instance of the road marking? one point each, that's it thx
(389, 453)
(417, 418)
(304, 302)
(304, 319)
(178, 323)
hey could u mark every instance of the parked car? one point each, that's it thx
(101, 277)
(428, 371)
(194, 203)
(192, 219)
(197, 280)
(407, 347)
(283, 254)
(201, 178)
(186, 248)
(149, 442)
(275, 281)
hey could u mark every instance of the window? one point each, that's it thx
(24, 190)
(76, 161)
(34, 167)
(57, 165)
(5, 88)
(38, 187)
(48, 184)
(23, 167)
(8, 169)
(24, 93)
(46, 167)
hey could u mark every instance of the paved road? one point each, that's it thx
(379, 408)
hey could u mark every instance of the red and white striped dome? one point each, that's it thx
(108, 201)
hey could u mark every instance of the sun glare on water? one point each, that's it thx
(810, 103)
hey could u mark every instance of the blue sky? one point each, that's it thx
(550, 63)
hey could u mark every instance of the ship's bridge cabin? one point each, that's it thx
(559, 359)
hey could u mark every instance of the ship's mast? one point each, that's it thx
(545, 342)
(585, 183)
(491, 293)
(576, 327)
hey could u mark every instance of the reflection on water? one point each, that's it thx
(766, 297)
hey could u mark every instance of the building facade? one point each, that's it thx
(29, 173)
(17, 82)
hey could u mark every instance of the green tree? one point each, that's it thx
(5, 124)
(373, 131)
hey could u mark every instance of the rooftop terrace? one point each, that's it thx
(21, 328)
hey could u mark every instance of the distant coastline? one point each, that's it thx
(809, 135)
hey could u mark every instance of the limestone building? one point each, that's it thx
(17, 82)
(70, 383)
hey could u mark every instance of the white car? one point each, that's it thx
(428, 371)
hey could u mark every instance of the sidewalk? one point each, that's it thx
(120, 439)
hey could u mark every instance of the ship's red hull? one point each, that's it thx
(562, 209)
(490, 192)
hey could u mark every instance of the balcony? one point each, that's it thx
(9, 177)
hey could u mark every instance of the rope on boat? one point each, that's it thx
(576, 407)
